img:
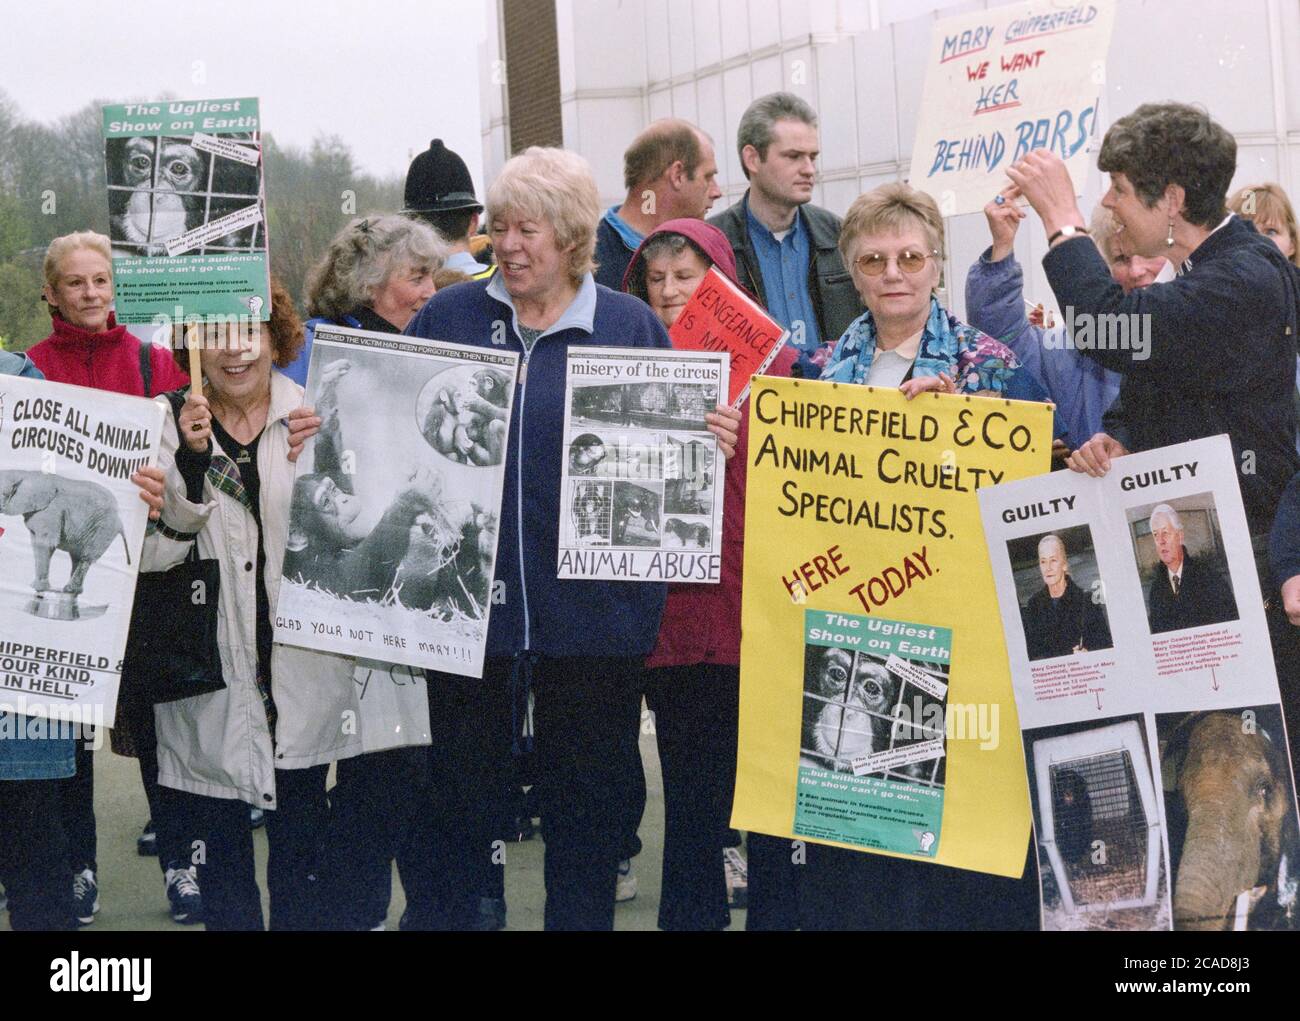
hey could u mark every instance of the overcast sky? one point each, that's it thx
(386, 75)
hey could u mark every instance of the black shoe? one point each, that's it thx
(491, 914)
(519, 830)
(85, 896)
(183, 895)
(146, 844)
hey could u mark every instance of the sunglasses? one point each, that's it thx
(873, 264)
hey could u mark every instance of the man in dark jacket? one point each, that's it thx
(1186, 591)
(670, 172)
(1060, 619)
(786, 248)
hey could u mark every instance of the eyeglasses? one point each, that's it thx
(872, 264)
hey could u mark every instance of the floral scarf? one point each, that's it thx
(975, 360)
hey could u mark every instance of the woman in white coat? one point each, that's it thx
(268, 737)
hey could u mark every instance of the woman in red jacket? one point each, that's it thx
(89, 348)
(693, 676)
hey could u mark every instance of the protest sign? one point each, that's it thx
(393, 527)
(71, 525)
(722, 317)
(1002, 82)
(187, 213)
(641, 488)
(875, 704)
(1147, 694)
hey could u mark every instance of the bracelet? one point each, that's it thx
(1068, 232)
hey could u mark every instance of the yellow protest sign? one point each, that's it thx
(876, 709)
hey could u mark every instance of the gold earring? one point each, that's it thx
(1169, 239)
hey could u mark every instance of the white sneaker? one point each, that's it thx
(736, 871)
(625, 886)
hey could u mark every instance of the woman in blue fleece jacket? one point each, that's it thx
(578, 646)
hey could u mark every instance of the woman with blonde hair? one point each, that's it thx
(578, 646)
(88, 347)
(1269, 208)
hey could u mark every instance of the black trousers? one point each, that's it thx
(173, 840)
(372, 820)
(295, 832)
(802, 885)
(34, 855)
(77, 807)
(584, 709)
(696, 718)
(631, 793)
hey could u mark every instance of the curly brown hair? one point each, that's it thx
(1160, 144)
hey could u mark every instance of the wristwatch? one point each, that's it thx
(1067, 232)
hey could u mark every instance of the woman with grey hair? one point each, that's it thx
(376, 274)
(578, 646)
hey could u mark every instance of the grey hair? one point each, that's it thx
(756, 122)
(1053, 537)
(363, 255)
(664, 244)
(1169, 514)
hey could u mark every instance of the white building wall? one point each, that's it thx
(861, 64)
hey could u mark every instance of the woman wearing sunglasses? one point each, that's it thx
(892, 242)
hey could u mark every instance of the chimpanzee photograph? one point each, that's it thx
(387, 532)
(160, 187)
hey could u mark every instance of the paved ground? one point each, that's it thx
(131, 887)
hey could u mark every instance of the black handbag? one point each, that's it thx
(171, 649)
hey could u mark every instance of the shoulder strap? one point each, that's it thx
(146, 367)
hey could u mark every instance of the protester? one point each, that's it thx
(267, 738)
(670, 172)
(1233, 308)
(787, 249)
(375, 275)
(440, 192)
(1269, 208)
(1081, 388)
(88, 347)
(33, 841)
(892, 240)
(578, 646)
(693, 675)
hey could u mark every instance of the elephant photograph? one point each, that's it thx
(76, 516)
(1230, 807)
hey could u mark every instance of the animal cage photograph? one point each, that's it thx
(857, 714)
(161, 187)
(1098, 825)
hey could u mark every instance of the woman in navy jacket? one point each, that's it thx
(579, 646)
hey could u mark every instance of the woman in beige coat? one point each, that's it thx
(268, 737)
